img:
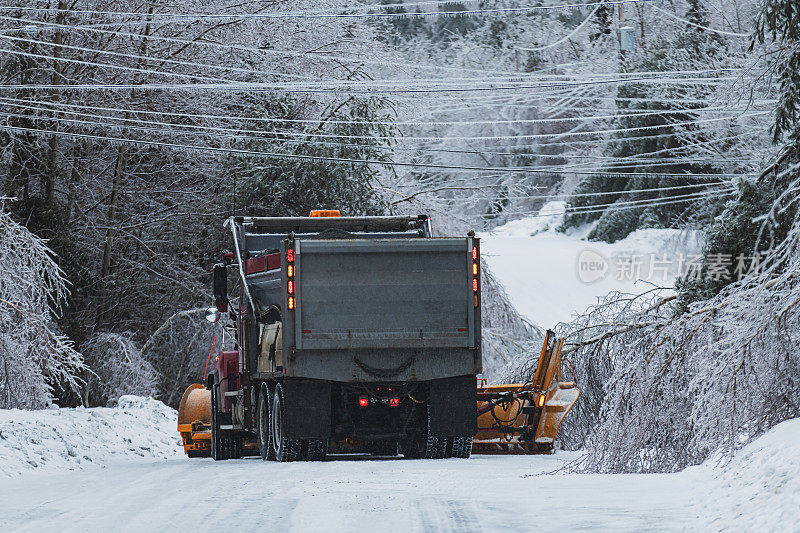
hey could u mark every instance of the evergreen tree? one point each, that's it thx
(669, 132)
(735, 233)
(779, 23)
(341, 173)
(602, 22)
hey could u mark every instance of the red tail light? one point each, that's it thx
(290, 273)
(475, 270)
(363, 401)
(394, 402)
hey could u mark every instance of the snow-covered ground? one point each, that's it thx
(126, 472)
(759, 490)
(68, 439)
(540, 267)
(488, 493)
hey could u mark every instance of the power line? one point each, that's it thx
(606, 160)
(616, 162)
(516, 78)
(305, 135)
(308, 14)
(105, 65)
(602, 209)
(347, 87)
(643, 113)
(310, 54)
(567, 195)
(305, 157)
(704, 28)
(571, 34)
(128, 55)
(637, 158)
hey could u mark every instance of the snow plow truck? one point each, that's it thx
(358, 334)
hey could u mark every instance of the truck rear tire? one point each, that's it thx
(263, 415)
(449, 442)
(435, 448)
(462, 447)
(315, 449)
(286, 449)
(424, 444)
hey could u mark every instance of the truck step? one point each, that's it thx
(234, 393)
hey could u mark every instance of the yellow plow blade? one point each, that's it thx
(523, 418)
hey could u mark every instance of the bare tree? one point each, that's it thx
(117, 367)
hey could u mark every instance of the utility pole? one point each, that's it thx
(52, 148)
(626, 37)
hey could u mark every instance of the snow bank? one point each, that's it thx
(759, 490)
(68, 439)
(540, 267)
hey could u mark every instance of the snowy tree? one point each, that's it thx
(680, 382)
(778, 23)
(34, 354)
(116, 368)
(179, 349)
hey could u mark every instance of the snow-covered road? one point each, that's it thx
(348, 493)
(539, 266)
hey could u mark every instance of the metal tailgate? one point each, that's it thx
(384, 293)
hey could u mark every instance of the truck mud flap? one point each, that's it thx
(308, 409)
(452, 407)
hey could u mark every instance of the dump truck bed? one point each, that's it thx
(379, 294)
(400, 309)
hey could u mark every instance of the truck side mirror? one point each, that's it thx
(221, 287)
(213, 314)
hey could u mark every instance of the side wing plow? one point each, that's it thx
(525, 417)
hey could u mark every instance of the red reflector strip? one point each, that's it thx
(306, 331)
(273, 261)
(474, 285)
(462, 329)
(253, 266)
(290, 287)
(290, 255)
